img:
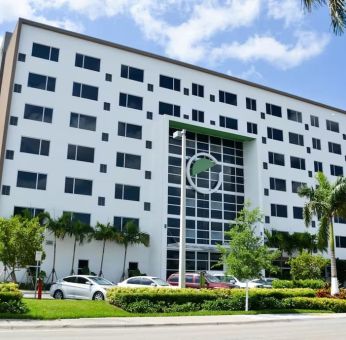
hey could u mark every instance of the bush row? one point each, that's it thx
(144, 300)
(11, 299)
(314, 284)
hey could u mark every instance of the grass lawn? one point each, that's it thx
(72, 309)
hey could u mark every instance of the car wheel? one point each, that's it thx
(58, 294)
(98, 296)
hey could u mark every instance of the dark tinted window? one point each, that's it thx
(276, 158)
(294, 115)
(278, 210)
(334, 148)
(132, 73)
(130, 101)
(45, 52)
(80, 153)
(314, 121)
(273, 110)
(198, 116)
(227, 97)
(129, 130)
(275, 134)
(34, 146)
(197, 90)
(31, 180)
(87, 62)
(296, 186)
(251, 104)
(38, 113)
(169, 83)
(228, 122)
(295, 138)
(298, 213)
(169, 109)
(297, 163)
(128, 161)
(81, 121)
(85, 91)
(332, 126)
(336, 170)
(78, 186)
(277, 184)
(127, 192)
(252, 128)
(41, 82)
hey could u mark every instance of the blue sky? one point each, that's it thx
(271, 42)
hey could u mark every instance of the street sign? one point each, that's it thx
(38, 256)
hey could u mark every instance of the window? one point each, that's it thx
(169, 83)
(106, 106)
(298, 213)
(147, 174)
(227, 98)
(9, 154)
(212, 98)
(276, 158)
(132, 73)
(17, 88)
(34, 146)
(278, 210)
(80, 121)
(334, 148)
(197, 90)
(105, 137)
(296, 186)
(32, 211)
(336, 170)
(273, 110)
(295, 138)
(263, 115)
(81, 217)
(13, 120)
(148, 144)
(169, 109)
(85, 91)
(252, 128)
(31, 180)
(103, 168)
(228, 123)
(78, 186)
(127, 192)
(5, 190)
(108, 77)
(38, 113)
(316, 143)
(296, 116)
(147, 206)
(41, 82)
(264, 140)
(89, 63)
(340, 241)
(149, 115)
(251, 104)
(338, 219)
(277, 184)
(125, 160)
(314, 121)
(130, 101)
(198, 116)
(21, 57)
(150, 87)
(186, 91)
(80, 153)
(101, 201)
(45, 52)
(129, 130)
(297, 163)
(275, 134)
(119, 222)
(332, 126)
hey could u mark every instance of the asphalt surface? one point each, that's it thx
(281, 327)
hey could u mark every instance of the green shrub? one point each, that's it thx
(334, 305)
(10, 299)
(185, 307)
(314, 284)
(232, 303)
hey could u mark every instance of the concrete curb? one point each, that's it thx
(162, 321)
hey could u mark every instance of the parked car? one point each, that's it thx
(266, 282)
(192, 280)
(144, 282)
(233, 281)
(86, 287)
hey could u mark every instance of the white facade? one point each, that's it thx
(151, 260)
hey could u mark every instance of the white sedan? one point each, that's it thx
(85, 287)
(144, 282)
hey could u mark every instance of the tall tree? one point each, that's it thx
(78, 230)
(246, 255)
(20, 238)
(337, 11)
(131, 235)
(105, 232)
(326, 201)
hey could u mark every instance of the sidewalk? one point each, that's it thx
(163, 321)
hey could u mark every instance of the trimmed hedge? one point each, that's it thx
(11, 299)
(144, 300)
(334, 305)
(314, 284)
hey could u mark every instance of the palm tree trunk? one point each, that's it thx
(103, 252)
(54, 254)
(334, 289)
(123, 274)
(74, 252)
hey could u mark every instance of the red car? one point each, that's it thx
(192, 280)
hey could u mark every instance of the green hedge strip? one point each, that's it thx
(11, 299)
(315, 284)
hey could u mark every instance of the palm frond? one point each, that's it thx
(323, 232)
(337, 9)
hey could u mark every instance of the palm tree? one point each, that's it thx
(337, 10)
(78, 230)
(130, 235)
(105, 232)
(326, 201)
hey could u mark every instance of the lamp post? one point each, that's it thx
(182, 134)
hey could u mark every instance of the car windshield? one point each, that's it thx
(100, 281)
(160, 282)
(211, 278)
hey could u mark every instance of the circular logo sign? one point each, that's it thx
(199, 163)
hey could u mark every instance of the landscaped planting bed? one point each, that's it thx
(11, 299)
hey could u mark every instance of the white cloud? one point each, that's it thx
(10, 10)
(269, 49)
(251, 73)
(288, 10)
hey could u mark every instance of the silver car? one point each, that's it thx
(84, 287)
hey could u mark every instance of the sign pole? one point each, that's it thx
(38, 256)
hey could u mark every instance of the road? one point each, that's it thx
(295, 329)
